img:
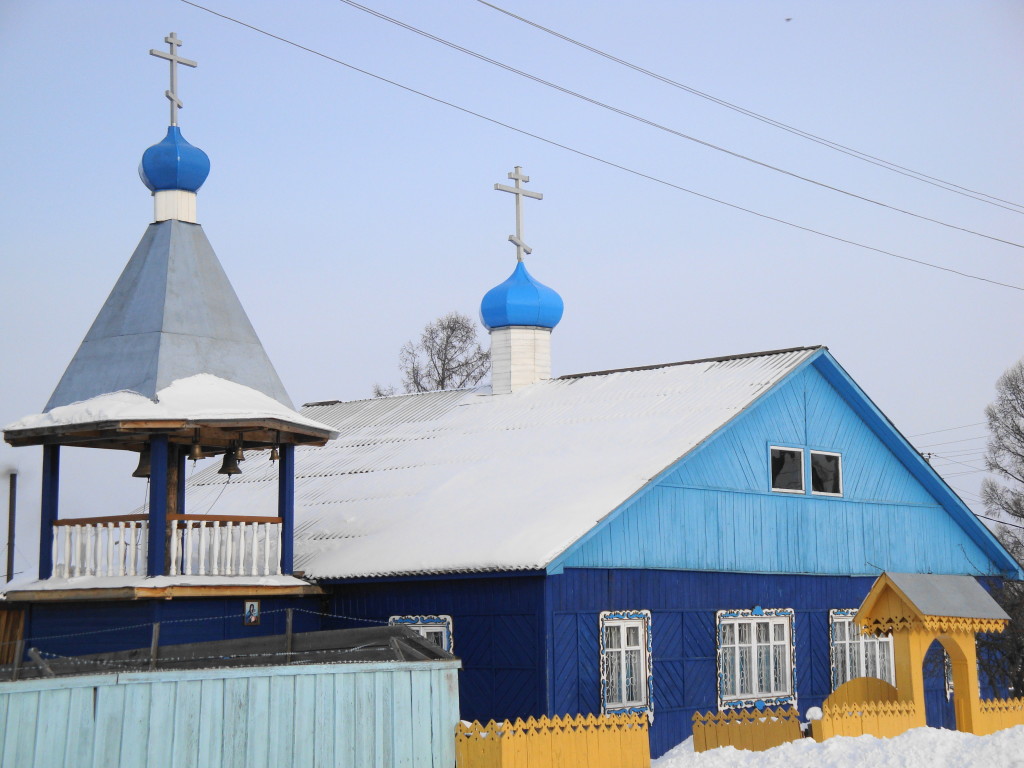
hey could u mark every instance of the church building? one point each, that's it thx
(680, 537)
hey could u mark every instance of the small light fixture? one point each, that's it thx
(273, 454)
(143, 469)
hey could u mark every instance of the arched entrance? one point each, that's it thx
(939, 689)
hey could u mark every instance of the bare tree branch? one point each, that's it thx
(447, 356)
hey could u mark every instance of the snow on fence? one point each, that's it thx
(746, 729)
(606, 741)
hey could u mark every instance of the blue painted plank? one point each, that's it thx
(402, 722)
(51, 731)
(364, 704)
(325, 729)
(161, 726)
(80, 723)
(135, 728)
(187, 711)
(281, 729)
(258, 722)
(236, 722)
(109, 718)
(19, 747)
(211, 717)
(304, 733)
(421, 716)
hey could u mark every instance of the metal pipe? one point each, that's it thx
(12, 505)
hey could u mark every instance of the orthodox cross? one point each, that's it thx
(517, 239)
(175, 59)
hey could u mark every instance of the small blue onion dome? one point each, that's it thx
(521, 300)
(174, 164)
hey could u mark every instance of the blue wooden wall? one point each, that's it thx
(344, 715)
(101, 626)
(714, 509)
(497, 624)
(683, 606)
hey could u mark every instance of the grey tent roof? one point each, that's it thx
(171, 314)
(955, 596)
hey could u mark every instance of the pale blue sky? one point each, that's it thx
(348, 213)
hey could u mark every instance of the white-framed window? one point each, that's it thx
(826, 473)
(787, 469)
(854, 654)
(787, 472)
(627, 682)
(435, 628)
(756, 658)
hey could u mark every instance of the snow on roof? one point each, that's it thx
(203, 397)
(469, 481)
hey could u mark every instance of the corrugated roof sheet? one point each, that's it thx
(941, 595)
(469, 481)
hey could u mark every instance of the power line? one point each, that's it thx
(598, 159)
(855, 153)
(666, 129)
(950, 442)
(948, 429)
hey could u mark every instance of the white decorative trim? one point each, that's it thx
(424, 624)
(739, 616)
(624, 617)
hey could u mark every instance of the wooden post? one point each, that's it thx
(48, 508)
(19, 652)
(286, 505)
(154, 645)
(12, 505)
(158, 453)
(288, 631)
(38, 659)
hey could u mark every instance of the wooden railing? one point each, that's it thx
(225, 546)
(100, 546)
(606, 741)
(996, 714)
(745, 729)
(199, 545)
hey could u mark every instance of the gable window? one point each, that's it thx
(787, 469)
(435, 628)
(854, 654)
(826, 473)
(626, 681)
(755, 658)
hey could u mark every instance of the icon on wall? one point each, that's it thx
(251, 613)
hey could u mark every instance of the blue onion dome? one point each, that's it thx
(174, 164)
(521, 300)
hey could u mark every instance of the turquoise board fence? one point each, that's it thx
(345, 715)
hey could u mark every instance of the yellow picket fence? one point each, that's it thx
(584, 741)
(745, 729)
(875, 718)
(996, 714)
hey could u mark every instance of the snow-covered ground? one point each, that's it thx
(918, 748)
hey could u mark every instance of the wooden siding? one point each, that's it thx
(100, 626)
(683, 606)
(350, 715)
(714, 509)
(497, 624)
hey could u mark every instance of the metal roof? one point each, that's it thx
(953, 596)
(172, 314)
(469, 481)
